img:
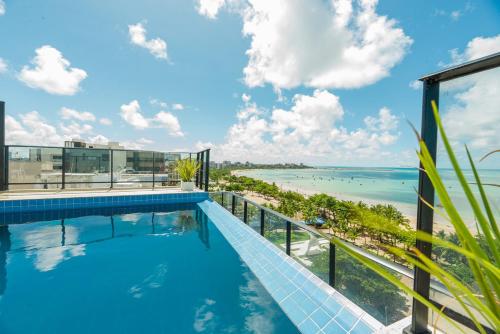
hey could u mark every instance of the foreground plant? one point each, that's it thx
(483, 258)
(187, 169)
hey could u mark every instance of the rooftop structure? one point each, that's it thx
(221, 248)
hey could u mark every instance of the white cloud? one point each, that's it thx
(99, 139)
(321, 44)
(470, 113)
(384, 122)
(415, 84)
(31, 130)
(456, 14)
(477, 48)
(156, 102)
(177, 106)
(210, 8)
(3, 66)
(76, 130)
(84, 116)
(2, 7)
(168, 121)
(156, 46)
(52, 73)
(137, 144)
(132, 114)
(310, 130)
(201, 146)
(105, 121)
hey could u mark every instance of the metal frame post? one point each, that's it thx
(262, 218)
(111, 166)
(202, 157)
(245, 212)
(197, 178)
(288, 237)
(222, 199)
(3, 159)
(153, 169)
(63, 175)
(425, 215)
(6, 168)
(207, 169)
(233, 204)
(331, 265)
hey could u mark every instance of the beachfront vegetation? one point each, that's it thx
(354, 222)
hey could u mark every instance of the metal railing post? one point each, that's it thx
(6, 169)
(245, 212)
(262, 218)
(207, 169)
(233, 204)
(222, 198)
(288, 236)
(153, 169)
(202, 157)
(331, 265)
(63, 175)
(425, 215)
(3, 160)
(197, 179)
(111, 166)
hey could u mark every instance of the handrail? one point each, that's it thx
(98, 148)
(398, 268)
(66, 152)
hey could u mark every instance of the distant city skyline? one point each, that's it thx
(302, 81)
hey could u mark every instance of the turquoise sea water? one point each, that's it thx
(395, 186)
(129, 270)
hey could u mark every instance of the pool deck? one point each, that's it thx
(73, 193)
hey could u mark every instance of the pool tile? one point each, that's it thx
(346, 319)
(309, 302)
(334, 328)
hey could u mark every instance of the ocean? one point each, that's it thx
(396, 186)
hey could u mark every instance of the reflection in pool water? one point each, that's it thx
(165, 270)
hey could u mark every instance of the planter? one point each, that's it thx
(187, 186)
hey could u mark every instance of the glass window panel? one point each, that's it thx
(87, 168)
(370, 291)
(238, 208)
(311, 250)
(165, 173)
(253, 214)
(275, 230)
(469, 111)
(132, 169)
(37, 167)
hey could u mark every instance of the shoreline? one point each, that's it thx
(408, 210)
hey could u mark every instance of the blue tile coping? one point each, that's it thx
(311, 304)
(93, 200)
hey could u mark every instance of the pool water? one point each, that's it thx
(163, 269)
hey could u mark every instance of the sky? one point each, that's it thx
(313, 81)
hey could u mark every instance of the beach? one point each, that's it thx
(394, 186)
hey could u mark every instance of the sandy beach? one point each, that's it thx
(409, 211)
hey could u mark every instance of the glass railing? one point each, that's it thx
(313, 250)
(40, 167)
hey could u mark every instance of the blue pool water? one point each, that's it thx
(162, 269)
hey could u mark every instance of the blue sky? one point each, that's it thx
(171, 75)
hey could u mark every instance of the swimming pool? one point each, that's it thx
(149, 269)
